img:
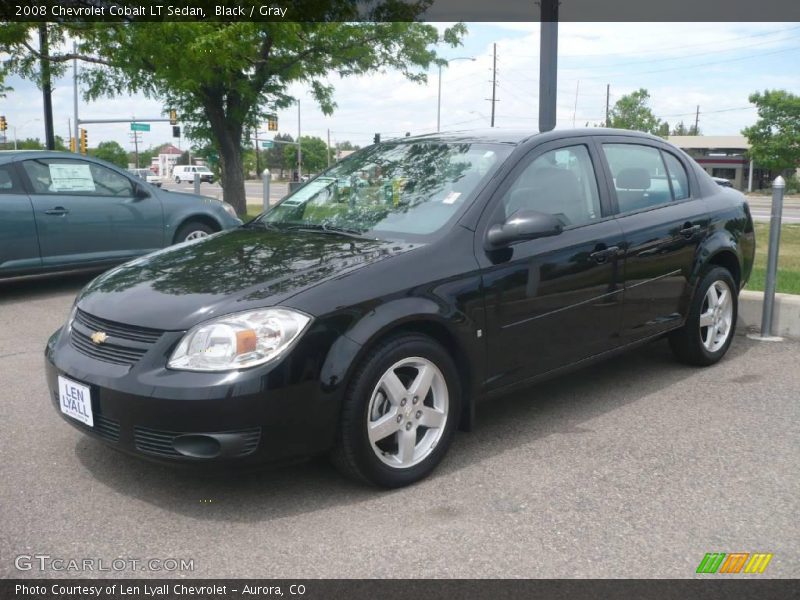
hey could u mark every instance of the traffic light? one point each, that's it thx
(84, 142)
(176, 132)
(376, 139)
(3, 123)
(272, 123)
(173, 117)
(72, 144)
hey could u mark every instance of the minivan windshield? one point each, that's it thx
(405, 190)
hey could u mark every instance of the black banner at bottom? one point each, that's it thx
(414, 589)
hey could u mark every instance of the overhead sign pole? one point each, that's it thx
(548, 64)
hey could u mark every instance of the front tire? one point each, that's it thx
(193, 230)
(400, 413)
(711, 324)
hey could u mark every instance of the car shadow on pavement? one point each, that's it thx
(559, 406)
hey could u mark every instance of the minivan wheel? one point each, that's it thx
(399, 414)
(711, 324)
(192, 230)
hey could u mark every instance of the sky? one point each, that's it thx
(683, 65)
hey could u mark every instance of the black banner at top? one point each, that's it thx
(398, 10)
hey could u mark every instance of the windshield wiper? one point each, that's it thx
(256, 224)
(324, 228)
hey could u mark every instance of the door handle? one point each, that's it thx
(56, 210)
(689, 230)
(601, 256)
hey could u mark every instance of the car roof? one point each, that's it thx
(517, 136)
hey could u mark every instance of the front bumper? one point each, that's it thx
(271, 414)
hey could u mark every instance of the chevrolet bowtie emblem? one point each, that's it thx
(98, 337)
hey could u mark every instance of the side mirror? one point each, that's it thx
(140, 192)
(521, 226)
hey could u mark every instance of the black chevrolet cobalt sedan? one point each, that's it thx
(365, 314)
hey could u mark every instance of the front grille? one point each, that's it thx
(118, 330)
(124, 345)
(106, 428)
(160, 443)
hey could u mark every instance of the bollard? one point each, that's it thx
(778, 187)
(265, 180)
(197, 183)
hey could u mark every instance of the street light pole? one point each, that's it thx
(439, 101)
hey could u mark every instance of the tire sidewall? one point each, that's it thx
(189, 228)
(361, 392)
(711, 276)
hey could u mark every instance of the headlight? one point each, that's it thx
(230, 210)
(239, 341)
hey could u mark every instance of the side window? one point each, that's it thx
(559, 182)
(678, 176)
(75, 177)
(640, 177)
(8, 181)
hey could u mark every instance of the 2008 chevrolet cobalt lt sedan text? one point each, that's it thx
(365, 314)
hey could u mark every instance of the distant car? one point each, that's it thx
(147, 175)
(186, 173)
(367, 321)
(722, 181)
(61, 212)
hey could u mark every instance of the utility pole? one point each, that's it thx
(697, 121)
(44, 62)
(75, 91)
(494, 80)
(329, 148)
(575, 108)
(548, 64)
(608, 98)
(258, 162)
(299, 151)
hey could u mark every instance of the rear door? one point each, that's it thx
(19, 243)
(556, 300)
(664, 221)
(86, 212)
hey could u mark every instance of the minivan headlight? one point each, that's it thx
(239, 341)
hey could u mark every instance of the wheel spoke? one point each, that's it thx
(707, 318)
(422, 382)
(713, 297)
(723, 299)
(394, 388)
(406, 441)
(383, 427)
(432, 418)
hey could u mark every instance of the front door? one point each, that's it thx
(552, 301)
(664, 222)
(86, 212)
(19, 243)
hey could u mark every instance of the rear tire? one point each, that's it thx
(177, 179)
(400, 413)
(711, 323)
(193, 230)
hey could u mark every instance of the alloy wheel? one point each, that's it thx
(407, 412)
(196, 235)
(716, 316)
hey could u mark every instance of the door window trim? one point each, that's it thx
(637, 141)
(525, 161)
(30, 190)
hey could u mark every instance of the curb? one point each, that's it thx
(785, 319)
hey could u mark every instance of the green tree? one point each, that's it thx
(275, 157)
(114, 153)
(224, 77)
(632, 112)
(313, 154)
(775, 137)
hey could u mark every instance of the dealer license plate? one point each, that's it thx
(75, 400)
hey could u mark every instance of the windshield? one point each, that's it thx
(406, 190)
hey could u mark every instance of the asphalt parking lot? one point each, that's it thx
(633, 468)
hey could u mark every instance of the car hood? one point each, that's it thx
(178, 287)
